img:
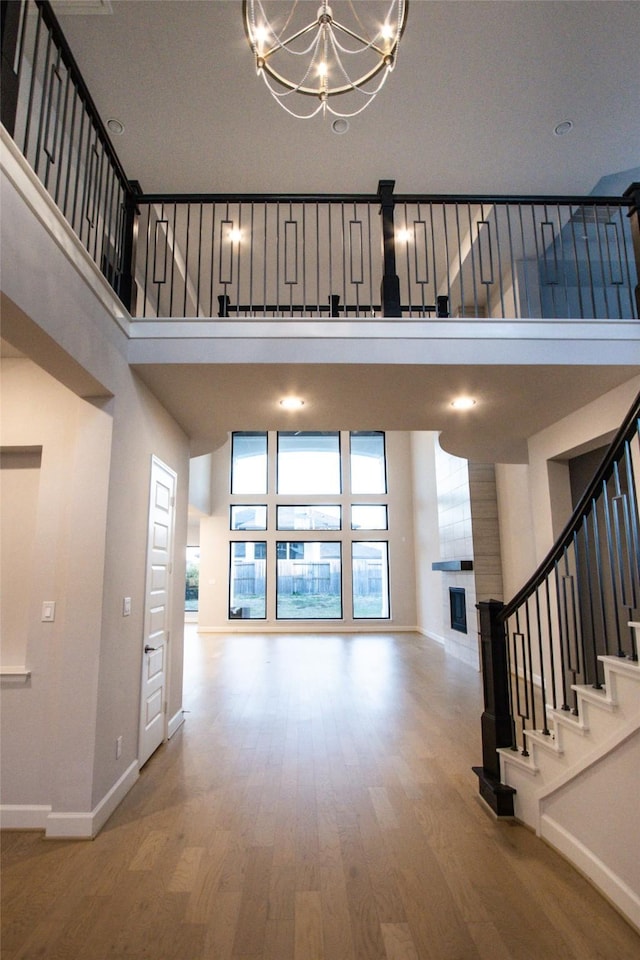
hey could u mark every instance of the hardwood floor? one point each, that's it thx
(318, 804)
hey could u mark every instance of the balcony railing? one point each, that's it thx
(296, 256)
(49, 112)
(378, 254)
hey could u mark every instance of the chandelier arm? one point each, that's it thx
(284, 44)
(366, 44)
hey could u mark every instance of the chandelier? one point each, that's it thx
(335, 62)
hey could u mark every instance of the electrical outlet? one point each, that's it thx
(118, 748)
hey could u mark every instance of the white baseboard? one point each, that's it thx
(85, 826)
(259, 626)
(619, 893)
(430, 635)
(175, 723)
(23, 816)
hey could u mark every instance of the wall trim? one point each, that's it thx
(430, 635)
(259, 626)
(613, 888)
(85, 826)
(175, 723)
(23, 816)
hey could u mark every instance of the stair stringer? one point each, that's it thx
(606, 720)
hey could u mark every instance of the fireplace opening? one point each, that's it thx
(458, 609)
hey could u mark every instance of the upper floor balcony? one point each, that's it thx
(480, 270)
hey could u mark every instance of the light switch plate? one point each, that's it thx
(126, 607)
(48, 611)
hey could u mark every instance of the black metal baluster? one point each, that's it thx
(570, 627)
(497, 207)
(173, 258)
(72, 152)
(56, 194)
(612, 568)
(98, 200)
(50, 149)
(528, 650)
(600, 574)
(472, 246)
(589, 580)
(186, 259)
(211, 264)
(543, 684)
(561, 639)
(551, 645)
(633, 510)
(44, 93)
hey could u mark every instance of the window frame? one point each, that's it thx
(232, 474)
(386, 616)
(309, 433)
(327, 560)
(232, 579)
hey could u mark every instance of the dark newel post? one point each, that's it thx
(497, 724)
(390, 290)
(442, 307)
(131, 214)
(10, 24)
(334, 305)
(224, 302)
(633, 193)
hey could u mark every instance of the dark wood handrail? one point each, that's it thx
(398, 198)
(630, 426)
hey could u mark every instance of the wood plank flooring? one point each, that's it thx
(318, 804)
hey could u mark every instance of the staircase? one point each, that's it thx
(584, 771)
(561, 726)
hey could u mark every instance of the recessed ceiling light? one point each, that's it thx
(291, 403)
(463, 403)
(116, 127)
(341, 125)
(562, 128)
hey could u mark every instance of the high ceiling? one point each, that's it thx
(471, 106)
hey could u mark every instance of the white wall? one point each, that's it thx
(19, 483)
(47, 755)
(444, 532)
(98, 426)
(517, 544)
(430, 612)
(535, 499)
(215, 536)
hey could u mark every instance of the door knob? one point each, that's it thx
(149, 649)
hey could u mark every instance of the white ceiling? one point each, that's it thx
(471, 107)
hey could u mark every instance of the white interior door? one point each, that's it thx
(153, 707)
